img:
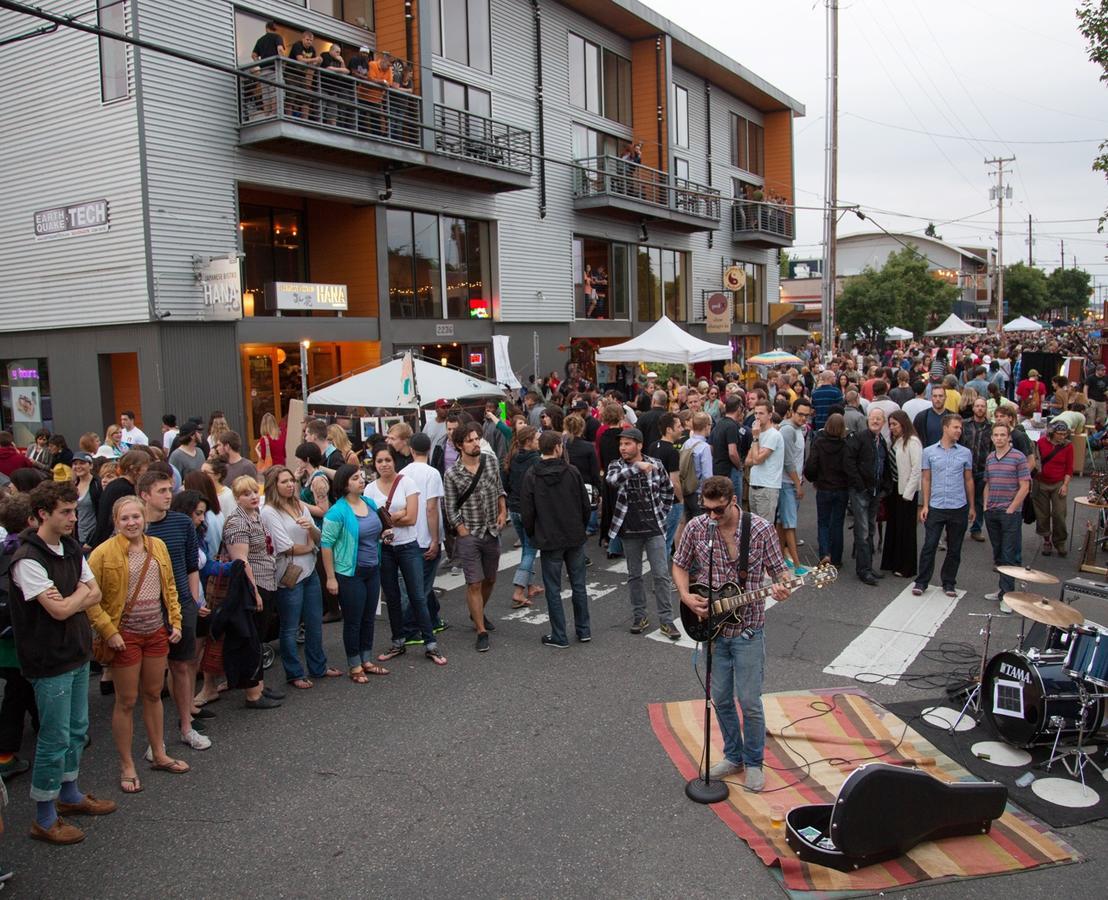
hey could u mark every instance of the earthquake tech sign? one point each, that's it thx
(90, 217)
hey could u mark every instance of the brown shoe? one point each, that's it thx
(90, 806)
(58, 833)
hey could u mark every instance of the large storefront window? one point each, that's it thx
(25, 399)
(274, 241)
(601, 279)
(661, 283)
(748, 300)
(431, 258)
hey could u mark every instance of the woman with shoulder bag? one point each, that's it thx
(269, 450)
(138, 617)
(299, 596)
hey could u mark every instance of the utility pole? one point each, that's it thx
(830, 178)
(998, 191)
(1062, 252)
(1030, 240)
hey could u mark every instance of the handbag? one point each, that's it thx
(290, 576)
(265, 460)
(383, 511)
(218, 583)
(101, 652)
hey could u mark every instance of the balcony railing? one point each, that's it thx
(597, 176)
(769, 219)
(470, 136)
(308, 95)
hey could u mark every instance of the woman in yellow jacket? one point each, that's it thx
(139, 617)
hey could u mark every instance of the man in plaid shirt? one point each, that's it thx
(644, 495)
(738, 660)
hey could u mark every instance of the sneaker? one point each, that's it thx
(724, 768)
(800, 570)
(488, 625)
(1048, 548)
(755, 780)
(203, 713)
(482, 643)
(588, 561)
(5, 874)
(1005, 608)
(638, 626)
(263, 702)
(149, 754)
(584, 638)
(440, 626)
(994, 596)
(414, 639)
(670, 631)
(455, 570)
(950, 592)
(942, 546)
(977, 536)
(13, 767)
(196, 740)
(549, 641)
(917, 591)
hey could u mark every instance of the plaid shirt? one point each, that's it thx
(764, 556)
(656, 484)
(482, 506)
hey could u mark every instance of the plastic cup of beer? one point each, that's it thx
(777, 817)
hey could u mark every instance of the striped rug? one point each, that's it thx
(846, 727)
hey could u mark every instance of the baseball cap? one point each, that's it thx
(442, 404)
(1058, 426)
(188, 429)
(420, 442)
(632, 433)
(580, 404)
(81, 456)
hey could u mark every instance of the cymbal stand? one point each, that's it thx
(1075, 758)
(975, 699)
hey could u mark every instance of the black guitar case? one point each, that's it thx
(883, 811)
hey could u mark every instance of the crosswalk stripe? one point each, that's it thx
(532, 616)
(897, 636)
(448, 582)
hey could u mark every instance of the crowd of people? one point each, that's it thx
(174, 562)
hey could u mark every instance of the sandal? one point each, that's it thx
(374, 669)
(199, 701)
(521, 604)
(357, 675)
(301, 684)
(173, 767)
(392, 653)
(130, 784)
(331, 672)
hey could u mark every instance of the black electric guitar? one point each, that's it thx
(728, 600)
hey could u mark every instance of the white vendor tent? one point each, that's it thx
(1023, 324)
(788, 330)
(667, 342)
(898, 334)
(383, 387)
(953, 327)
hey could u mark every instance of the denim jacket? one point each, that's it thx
(340, 533)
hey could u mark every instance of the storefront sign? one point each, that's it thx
(734, 278)
(300, 296)
(716, 308)
(445, 330)
(476, 359)
(222, 287)
(90, 217)
(26, 393)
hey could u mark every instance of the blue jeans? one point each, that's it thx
(658, 557)
(864, 504)
(672, 521)
(525, 571)
(979, 502)
(574, 559)
(302, 602)
(738, 665)
(737, 484)
(358, 596)
(1006, 536)
(955, 521)
(430, 570)
(830, 515)
(406, 560)
(62, 702)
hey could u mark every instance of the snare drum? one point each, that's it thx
(1087, 658)
(1023, 692)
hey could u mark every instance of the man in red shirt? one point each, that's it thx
(1031, 387)
(11, 457)
(1051, 484)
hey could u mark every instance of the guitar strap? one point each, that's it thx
(744, 549)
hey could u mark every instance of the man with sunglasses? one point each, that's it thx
(738, 662)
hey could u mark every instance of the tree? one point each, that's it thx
(1069, 288)
(903, 293)
(1025, 289)
(783, 260)
(1092, 18)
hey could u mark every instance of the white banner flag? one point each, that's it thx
(503, 363)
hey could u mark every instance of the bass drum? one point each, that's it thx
(1022, 692)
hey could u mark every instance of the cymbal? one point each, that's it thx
(1034, 576)
(1042, 609)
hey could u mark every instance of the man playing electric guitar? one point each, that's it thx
(738, 662)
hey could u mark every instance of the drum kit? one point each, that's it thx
(1053, 695)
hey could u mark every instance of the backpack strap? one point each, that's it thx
(744, 549)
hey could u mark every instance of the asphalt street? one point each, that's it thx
(526, 771)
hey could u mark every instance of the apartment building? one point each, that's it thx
(177, 226)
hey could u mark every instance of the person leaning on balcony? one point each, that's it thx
(380, 75)
(304, 52)
(269, 45)
(335, 109)
(632, 157)
(359, 69)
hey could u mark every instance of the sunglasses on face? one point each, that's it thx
(716, 512)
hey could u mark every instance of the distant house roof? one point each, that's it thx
(919, 240)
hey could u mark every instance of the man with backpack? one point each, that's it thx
(695, 463)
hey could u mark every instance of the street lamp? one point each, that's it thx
(304, 345)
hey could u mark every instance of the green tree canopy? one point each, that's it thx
(1069, 288)
(902, 292)
(1025, 289)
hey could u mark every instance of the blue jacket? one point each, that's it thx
(340, 533)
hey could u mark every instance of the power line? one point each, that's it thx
(958, 137)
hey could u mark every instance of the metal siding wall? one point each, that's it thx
(48, 160)
(212, 350)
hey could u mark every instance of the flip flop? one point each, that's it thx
(173, 767)
(392, 653)
(521, 604)
(331, 672)
(135, 785)
(301, 684)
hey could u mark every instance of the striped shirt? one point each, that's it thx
(179, 535)
(1003, 474)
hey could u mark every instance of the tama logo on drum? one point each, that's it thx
(1012, 672)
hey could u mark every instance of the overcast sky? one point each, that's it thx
(987, 74)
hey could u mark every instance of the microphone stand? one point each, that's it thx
(702, 789)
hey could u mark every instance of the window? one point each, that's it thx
(601, 279)
(111, 15)
(748, 300)
(599, 80)
(421, 275)
(356, 12)
(747, 145)
(456, 95)
(460, 30)
(679, 117)
(661, 284)
(588, 142)
(680, 169)
(274, 242)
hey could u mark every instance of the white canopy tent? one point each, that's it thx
(1023, 324)
(953, 327)
(788, 330)
(667, 342)
(898, 334)
(383, 387)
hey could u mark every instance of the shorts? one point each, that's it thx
(141, 646)
(479, 556)
(763, 502)
(185, 649)
(787, 506)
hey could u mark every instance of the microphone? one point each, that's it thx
(712, 525)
